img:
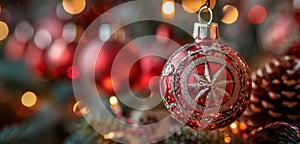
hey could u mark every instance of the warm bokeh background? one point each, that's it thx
(38, 39)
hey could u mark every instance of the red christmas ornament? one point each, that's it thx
(106, 60)
(151, 66)
(152, 60)
(59, 57)
(51, 62)
(279, 32)
(14, 49)
(35, 59)
(206, 85)
(48, 54)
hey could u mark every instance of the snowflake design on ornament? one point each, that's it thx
(207, 83)
(212, 86)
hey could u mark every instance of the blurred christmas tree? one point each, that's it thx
(39, 39)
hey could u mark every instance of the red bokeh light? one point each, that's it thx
(58, 54)
(163, 31)
(107, 83)
(257, 14)
(14, 50)
(73, 72)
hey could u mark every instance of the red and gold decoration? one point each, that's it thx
(206, 84)
(108, 82)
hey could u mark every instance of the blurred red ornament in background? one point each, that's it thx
(47, 52)
(51, 62)
(34, 58)
(297, 16)
(51, 24)
(279, 32)
(59, 57)
(106, 60)
(73, 72)
(151, 67)
(14, 49)
(99, 7)
(165, 31)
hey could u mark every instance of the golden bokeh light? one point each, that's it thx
(231, 14)
(109, 135)
(74, 6)
(233, 125)
(79, 108)
(227, 139)
(243, 126)
(168, 7)
(3, 30)
(193, 6)
(29, 99)
(113, 101)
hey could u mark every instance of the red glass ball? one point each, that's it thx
(151, 67)
(59, 57)
(35, 59)
(205, 85)
(111, 56)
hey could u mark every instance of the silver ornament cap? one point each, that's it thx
(205, 31)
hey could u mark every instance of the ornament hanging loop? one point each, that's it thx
(210, 15)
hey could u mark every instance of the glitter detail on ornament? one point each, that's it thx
(205, 85)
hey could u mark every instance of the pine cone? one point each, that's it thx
(295, 50)
(276, 89)
(281, 133)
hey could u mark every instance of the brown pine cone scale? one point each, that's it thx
(276, 89)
